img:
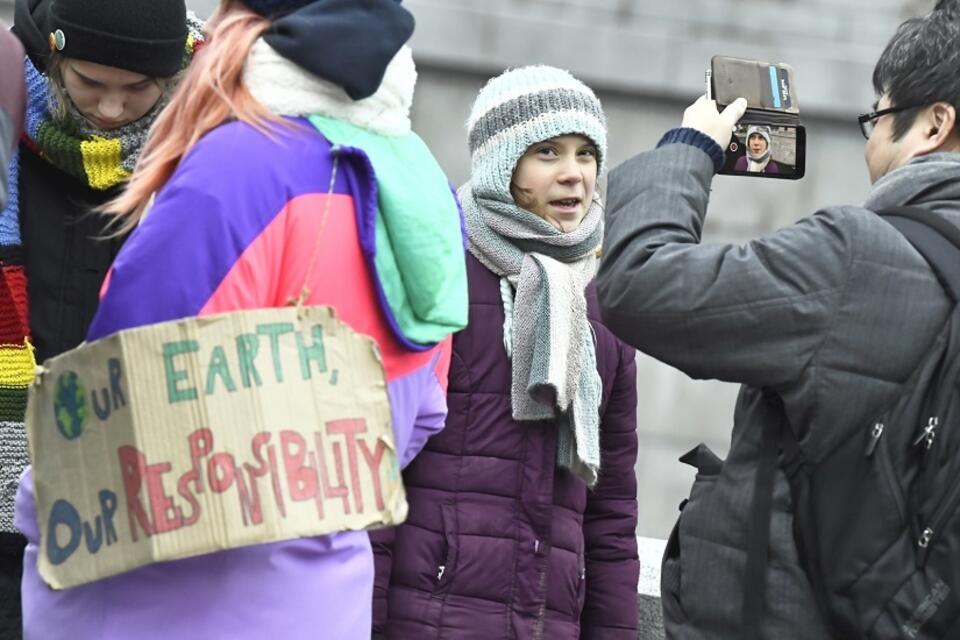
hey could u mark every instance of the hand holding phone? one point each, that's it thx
(703, 116)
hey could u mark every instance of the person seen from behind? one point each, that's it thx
(255, 204)
(822, 322)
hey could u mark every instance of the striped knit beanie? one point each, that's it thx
(524, 106)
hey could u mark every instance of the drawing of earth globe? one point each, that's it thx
(70, 405)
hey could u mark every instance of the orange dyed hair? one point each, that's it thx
(211, 92)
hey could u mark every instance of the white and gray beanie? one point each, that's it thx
(521, 107)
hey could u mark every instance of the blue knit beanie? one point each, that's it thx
(524, 106)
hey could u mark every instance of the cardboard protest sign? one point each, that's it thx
(188, 437)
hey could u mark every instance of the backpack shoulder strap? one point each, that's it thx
(758, 536)
(936, 239)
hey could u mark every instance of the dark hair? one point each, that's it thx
(948, 5)
(921, 64)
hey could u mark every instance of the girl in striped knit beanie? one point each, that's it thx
(523, 509)
(97, 75)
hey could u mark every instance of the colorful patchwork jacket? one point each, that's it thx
(237, 227)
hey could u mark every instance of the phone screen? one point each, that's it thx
(763, 150)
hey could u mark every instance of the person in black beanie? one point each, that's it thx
(97, 73)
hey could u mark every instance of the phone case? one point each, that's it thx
(767, 87)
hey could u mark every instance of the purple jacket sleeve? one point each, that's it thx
(610, 522)
(432, 413)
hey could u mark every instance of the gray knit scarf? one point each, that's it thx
(546, 331)
(929, 180)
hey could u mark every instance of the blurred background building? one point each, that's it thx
(646, 59)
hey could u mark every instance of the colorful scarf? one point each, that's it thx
(101, 159)
(16, 373)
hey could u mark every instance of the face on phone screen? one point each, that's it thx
(765, 150)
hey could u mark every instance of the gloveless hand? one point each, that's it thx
(703, 116)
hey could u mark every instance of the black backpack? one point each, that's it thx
(877, 517)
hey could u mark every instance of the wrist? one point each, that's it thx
(695, 138)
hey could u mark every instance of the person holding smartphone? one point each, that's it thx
(821, 322)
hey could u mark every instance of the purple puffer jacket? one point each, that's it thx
(499, 543)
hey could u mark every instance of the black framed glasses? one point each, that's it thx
(869, 120)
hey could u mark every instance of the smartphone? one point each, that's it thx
(769, 141)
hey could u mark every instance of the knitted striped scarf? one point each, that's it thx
(101, 159)
(547, 335)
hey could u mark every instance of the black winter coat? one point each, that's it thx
(64, 258)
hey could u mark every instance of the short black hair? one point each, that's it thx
(921, 64)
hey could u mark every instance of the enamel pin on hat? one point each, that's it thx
(58, 40)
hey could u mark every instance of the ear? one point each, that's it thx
(938, 129)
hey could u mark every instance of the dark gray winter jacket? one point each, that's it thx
(832, 313)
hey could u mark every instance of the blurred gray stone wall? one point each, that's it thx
(783, 144)
(646, 60)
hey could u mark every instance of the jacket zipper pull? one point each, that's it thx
(875, 434)
(440, 571)
(929, 433)
(924, 544)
